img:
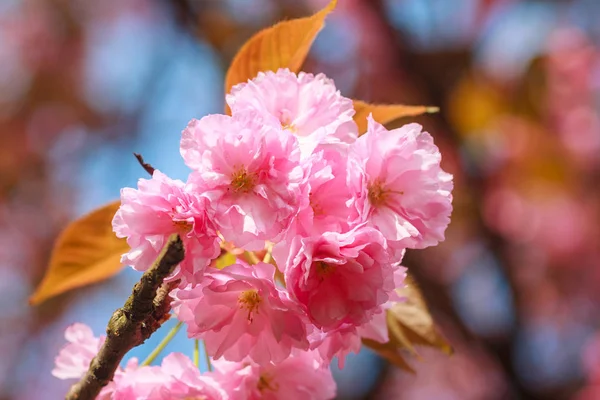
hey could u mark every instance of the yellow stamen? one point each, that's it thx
(317, 209)
(265, 383)
(377, 193)
(286, 122)
(290, 127)
(324, 269)
(242, 181)
(249, 300)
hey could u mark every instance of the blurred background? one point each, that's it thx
(515, 286)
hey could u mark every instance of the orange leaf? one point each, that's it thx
(284, 45)
(87, 251)
(385, 113)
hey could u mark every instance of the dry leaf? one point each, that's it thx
(284, 45)
(416, 321)
(396, 333)
(389, 351)
(87, 251)
(409, 324)
(385, 113)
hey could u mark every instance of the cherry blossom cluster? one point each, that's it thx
(287, 172)
(300, 376)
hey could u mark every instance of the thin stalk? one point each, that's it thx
(207, 357)
(269, 255)
(252, 257)
(161, 346)
(267, 258)
(196, 353)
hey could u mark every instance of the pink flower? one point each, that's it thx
(249, 171)
(186, 381)
(400, 187)
(301, 376)
(326, 195)
(336, 343)
(307, 105)
(339, 278)
(240, 312)
(74, 359)
(140, 382)
(158, 208)
(176, 378)
(348, 338)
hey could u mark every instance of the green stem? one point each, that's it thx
(161, 346)
(196, 353)
(208, 364)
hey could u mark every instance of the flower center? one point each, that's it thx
(242, 181)
(249, 300)
(183, 226)
(285, 119)
(377, 194)
(316, 207)
(290, 127)
(265, 382)
(324, 269)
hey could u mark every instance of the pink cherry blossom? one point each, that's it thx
(336, 343)
(286, 171)
(326, 196)
(140, 382)
(307, 105)
(74, 359)
(176, 378)
(240, 312)
(158, 208)
(339, 278)
(185, 381)
(302, 376)
(189, 382)
(376, 329)
(399, 185)
(348, 338)
(249, 171)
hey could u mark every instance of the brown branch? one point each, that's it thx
(149, 168)
(143, 313)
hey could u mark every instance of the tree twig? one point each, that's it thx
(149, 168)
(142, 314)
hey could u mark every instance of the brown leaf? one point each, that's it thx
(397, 334)
(385, 113)
(409, 324)
(284, 45)
(87, 251)
(389, 351)
(416, 321)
